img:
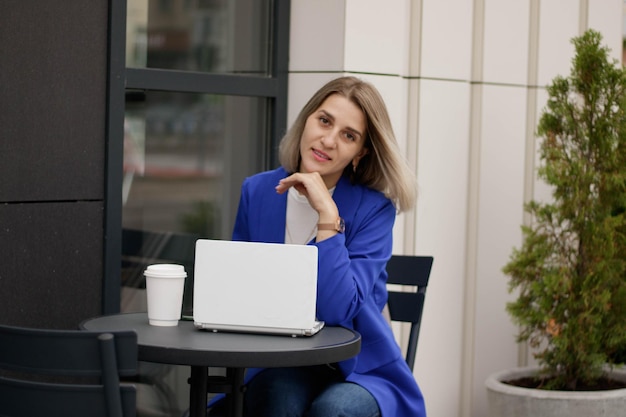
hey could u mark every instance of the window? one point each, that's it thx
(204, 35)
(197, 102)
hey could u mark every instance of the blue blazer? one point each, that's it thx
(351, 281)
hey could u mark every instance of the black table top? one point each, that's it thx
(186, 345)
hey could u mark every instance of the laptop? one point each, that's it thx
(255, 287)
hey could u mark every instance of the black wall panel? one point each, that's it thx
(52, 99)
(53, 84)
(51, 263)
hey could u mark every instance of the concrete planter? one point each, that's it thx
(510, 401)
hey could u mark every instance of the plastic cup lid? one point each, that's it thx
(165, 270)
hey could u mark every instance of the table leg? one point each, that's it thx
(198, 391)
(235, 398)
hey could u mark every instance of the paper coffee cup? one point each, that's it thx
(165, 284)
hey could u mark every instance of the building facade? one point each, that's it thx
(465, 84)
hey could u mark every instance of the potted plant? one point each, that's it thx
(570, 272)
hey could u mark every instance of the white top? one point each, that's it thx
(302, 219)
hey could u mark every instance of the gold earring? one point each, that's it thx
(354, 165)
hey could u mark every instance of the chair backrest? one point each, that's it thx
(82, 371)
(413, 271)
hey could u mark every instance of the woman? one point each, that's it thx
(341, 183)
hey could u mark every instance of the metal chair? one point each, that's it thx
(66, 373)
(404, 306)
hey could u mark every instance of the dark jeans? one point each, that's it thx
(313, 391)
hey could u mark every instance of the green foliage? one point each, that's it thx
(570, 273)
(203, 220)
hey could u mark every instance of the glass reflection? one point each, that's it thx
(217, 36)
(183, 156)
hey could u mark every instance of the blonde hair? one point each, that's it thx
(383, 168)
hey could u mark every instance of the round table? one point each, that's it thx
(201, 349)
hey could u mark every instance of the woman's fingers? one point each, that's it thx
(307, 182)
(312, 186)
(285, 184)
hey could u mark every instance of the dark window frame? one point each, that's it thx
(120, 78)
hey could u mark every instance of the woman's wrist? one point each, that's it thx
(329, 215)
(337, 225)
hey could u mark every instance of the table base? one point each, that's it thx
(231, 385)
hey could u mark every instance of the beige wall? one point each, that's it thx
(464, 82)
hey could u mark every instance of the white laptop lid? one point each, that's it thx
(255, 287)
